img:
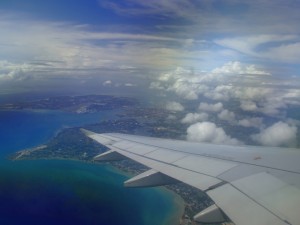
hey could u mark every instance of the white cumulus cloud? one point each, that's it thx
(194, 117)
(209, 132)
(256, 122)
(248, 106)
(227, 115)
(211, 107)
(174, 106)
(238, 68)
(254, 88)
(279, 134)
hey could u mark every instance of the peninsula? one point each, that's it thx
(71, 143)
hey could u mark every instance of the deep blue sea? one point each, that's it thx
(69, 192)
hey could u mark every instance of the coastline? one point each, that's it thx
(178, 202)
(64, 119)
(174, 216)
(179, 208)
(95, 189)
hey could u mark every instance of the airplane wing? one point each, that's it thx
(251, 185)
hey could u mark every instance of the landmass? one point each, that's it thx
(76, 104)
(71, 143)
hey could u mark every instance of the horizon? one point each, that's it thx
(217, 66)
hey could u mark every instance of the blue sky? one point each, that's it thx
(198, 34)
(51, 42)
(212, 52)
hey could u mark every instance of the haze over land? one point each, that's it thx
(225, 69)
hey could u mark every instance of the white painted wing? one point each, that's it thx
(252, 185)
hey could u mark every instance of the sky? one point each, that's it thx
(215, 61)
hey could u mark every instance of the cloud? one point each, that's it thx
(220, 93)
(227, 115)
(256, 122)
(156, 85)
(293, 122)
(284, 53)
(224, 68)
(130, 85)
(210, 107)
(14, 71)
(81, 46)
(171, 117)
(107, 83)
(72, 49)
(248, 105)
(238, 68)
(209, 132)
(279, 134)
(262, 18)
(183, 90)
(194, 117)
(174, 106)
(256, 92)
(214, 85)
(285, 47)
(175, 8)
(181, 81)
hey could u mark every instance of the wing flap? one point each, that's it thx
(150, 178)
(109, 156)
(200, 181)
(211, 214)
(279, 197)
(241, 209)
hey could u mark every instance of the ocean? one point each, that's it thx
(70, 192)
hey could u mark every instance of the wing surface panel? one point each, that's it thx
(212, 167)
(197, 180)
(241, 209)
(166, 155)
(276, 195)
(252, 185)
(136, 148)
(285, 159)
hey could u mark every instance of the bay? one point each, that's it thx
(25, 129)
(70, 192)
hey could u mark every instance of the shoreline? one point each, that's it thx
(78, 154)
(178, 201)
(179, 204)
(175, 215)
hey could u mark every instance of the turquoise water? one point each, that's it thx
(68, 192)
